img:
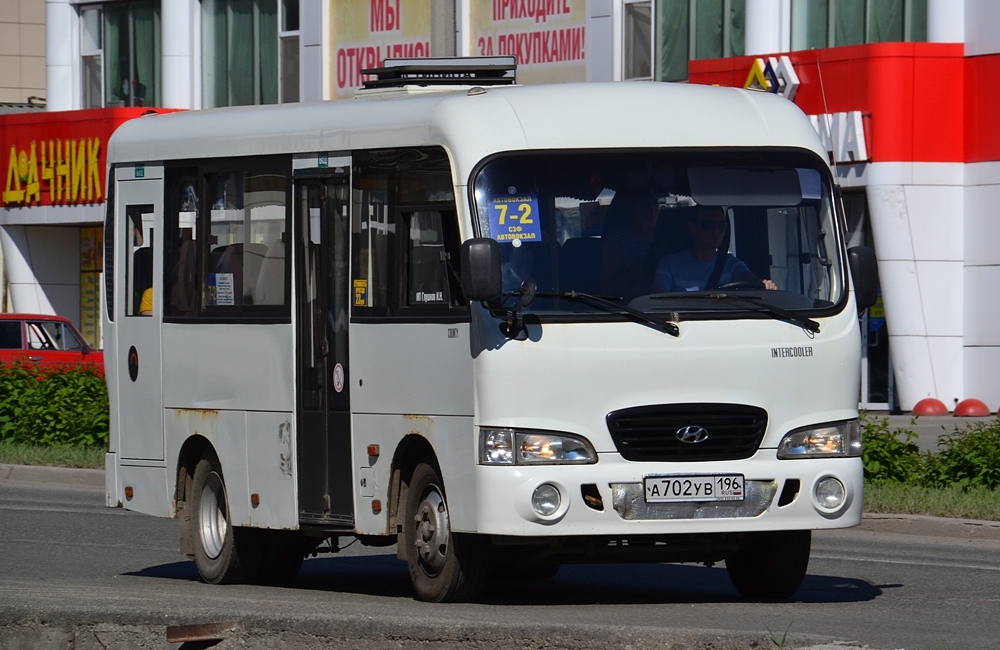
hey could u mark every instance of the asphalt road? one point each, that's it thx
(73, 571)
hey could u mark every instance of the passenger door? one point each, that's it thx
(138, 267)
(322, 231)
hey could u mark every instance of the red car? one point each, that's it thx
(46, 341)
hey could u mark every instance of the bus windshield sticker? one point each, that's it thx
(361, 293)
(220, 290)
(514, 218)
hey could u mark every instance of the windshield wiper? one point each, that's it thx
(609, 305)
(753, 301)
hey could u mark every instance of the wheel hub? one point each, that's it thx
(212, 517)
(431, 524)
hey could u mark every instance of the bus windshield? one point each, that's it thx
(664, 230)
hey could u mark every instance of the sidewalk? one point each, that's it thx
(874, 522)
(64, 476)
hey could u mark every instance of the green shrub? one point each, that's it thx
(53, 406)
(968, 457)
(889, 454)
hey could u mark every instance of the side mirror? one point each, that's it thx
(481, 279)
(864, 271)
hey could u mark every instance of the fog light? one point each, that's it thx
(545, 499)
(829, 493)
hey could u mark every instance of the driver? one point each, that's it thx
(691, 269)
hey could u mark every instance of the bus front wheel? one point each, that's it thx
(444, 566)
(221, 551)
(771, 565)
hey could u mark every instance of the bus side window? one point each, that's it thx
(139, 273)
(425, 256)
(181, 258)
(432, 259)
(374, 236)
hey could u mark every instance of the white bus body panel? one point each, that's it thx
(238, 387)
(412, 379)
(229, 366)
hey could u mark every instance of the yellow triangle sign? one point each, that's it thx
(757, 80)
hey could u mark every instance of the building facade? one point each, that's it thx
(22, 51)
(899, 89)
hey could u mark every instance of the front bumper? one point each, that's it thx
(619, 509)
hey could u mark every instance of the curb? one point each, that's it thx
(37, 474)
(931, 526)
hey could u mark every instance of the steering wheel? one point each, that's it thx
(742, 284)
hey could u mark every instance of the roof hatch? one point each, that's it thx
(442, 72)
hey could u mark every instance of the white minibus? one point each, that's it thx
(502, 327)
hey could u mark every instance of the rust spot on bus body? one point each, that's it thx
(202, 412)
(421, 424)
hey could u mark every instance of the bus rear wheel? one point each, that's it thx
(223, 553)
(444, 566)
(770, 566)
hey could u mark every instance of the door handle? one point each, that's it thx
(34, 358)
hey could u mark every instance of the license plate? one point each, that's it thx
(703, 487)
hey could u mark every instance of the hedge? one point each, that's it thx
(53, 406)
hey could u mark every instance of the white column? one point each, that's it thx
(603, 55)
(313, 82)
(26, 294)
(916, 215)
(177, 34)
(60, 49)
(764, 22)
(946, 21)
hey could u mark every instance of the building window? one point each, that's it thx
(638, 47)
(696, 29)
(120, 54)
(239, 52)
(289, 37)
(830, 23)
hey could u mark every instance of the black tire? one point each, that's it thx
(444, 566)
(770, 566)
(223, 553)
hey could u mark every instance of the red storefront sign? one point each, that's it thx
(922, 102)
(57, 158)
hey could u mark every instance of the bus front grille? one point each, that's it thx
(687, 432)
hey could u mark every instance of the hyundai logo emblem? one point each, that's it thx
(692, 434)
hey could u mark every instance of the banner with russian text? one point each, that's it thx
(547, 37)
(57, 158)
(364, 33)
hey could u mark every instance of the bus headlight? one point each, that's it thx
(829, 493)
(545, 500)
(825, 441)
(514, 447)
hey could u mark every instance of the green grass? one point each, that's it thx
(897, 498)
(13, 453)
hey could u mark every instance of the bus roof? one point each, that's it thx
(474, 124)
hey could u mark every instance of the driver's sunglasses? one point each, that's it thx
(718, 226)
